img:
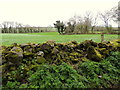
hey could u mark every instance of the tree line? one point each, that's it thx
(15, 27)
(76, 24)
(89, 23)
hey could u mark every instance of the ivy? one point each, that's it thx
(101, 74)
(55, 76)
(88, 74)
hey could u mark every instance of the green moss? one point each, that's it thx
(115, 43)
(41, 59)
(55, 50)
(27, 48)
(58, 52)
(15, 55)
(13, 58)
(12, 68)
(28, 53)
(88, 43)
(16, 49)
(93, 54)
(74, 54)
(103, 51)
(51, 42)
(3, 68)
(71, 44)
(102, 45)
(84, 59)
(34, 67)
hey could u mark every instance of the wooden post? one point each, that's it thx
(102, 37)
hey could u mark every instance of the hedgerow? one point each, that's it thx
(43, 72)
(89, 74)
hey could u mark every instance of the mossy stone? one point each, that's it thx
(12, 68)
(115, 43)
(15, 55)
(3, 68)
(28, 53)
(84, 59)
(41, 59)
(88, 43)
(34, 67)
(55, 50)
(17, 50)
(103, 51)
(40, 53)
(51, 43)
(93, 54)
(74, 54)
(102, 45)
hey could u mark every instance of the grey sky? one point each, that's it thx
(46, 12)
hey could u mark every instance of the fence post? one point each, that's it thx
(102, 37)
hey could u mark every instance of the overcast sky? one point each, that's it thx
(46, 12)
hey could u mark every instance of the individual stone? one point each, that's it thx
(41, 59)
(40, 53)
(93, 54)
(15, 55)
(55, 50)
(102, 45)
(51, 43)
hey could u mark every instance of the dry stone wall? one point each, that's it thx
(55, 53)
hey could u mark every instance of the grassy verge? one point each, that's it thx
(8, 39)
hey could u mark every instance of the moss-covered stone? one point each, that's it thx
(15, 55)
(3, 68)
(40, 53)
(84, 59)
(57, 52)
(102, 45)
(115, 44)
(72, 44)
(12, 68)
(46, 46)
(86, 44)
(17, 50)
(74, 54)
(93, 54)
(28, 49)
(34, 67)
(41, 59)
(51, 43)
(103, 51)
(28, 55)
(24, 45)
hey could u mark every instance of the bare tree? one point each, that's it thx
(106, 17)
(79, 25)
(116, 15)
(87, 21)
(75, 19)
(94, 23)
(115, 11)
(119, 16)
(83, 24)
(5, 27)
(14, 27)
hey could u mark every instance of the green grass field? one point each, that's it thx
(8, 39)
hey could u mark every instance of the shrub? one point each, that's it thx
(87, 74)
(102, 74)
(61, 76)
